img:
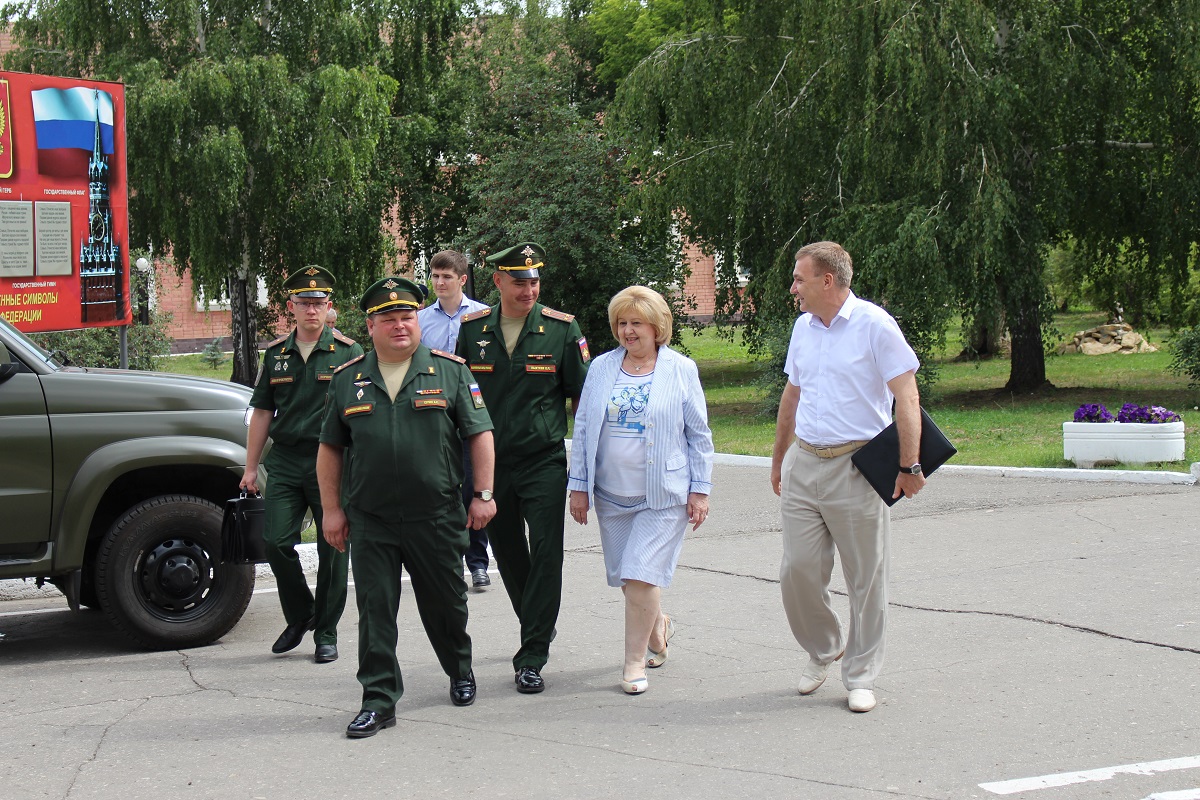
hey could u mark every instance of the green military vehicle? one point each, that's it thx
(112, 485)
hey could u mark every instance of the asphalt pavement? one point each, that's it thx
(1044, 643)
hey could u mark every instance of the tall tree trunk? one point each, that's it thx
(242, 296)
(1027, 370)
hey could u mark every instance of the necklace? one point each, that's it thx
(639, 367)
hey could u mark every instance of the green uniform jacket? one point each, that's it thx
(404, 457)
(527, 392)
(295, 389)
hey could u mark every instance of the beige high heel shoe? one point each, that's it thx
(653, 659)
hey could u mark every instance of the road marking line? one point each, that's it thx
(1102, 774)
(1182, 794)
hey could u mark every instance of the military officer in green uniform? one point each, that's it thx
(394, 424)
(528, 360)
(288, 403)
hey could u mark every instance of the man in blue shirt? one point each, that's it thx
(439, 331)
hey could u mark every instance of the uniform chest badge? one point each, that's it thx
(359, 395)
(482, 345)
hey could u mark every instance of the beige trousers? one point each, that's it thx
(828, 504)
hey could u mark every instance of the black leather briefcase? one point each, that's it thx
(242, 530)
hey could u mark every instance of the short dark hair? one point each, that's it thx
(449, 259)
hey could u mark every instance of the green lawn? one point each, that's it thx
(989, 426)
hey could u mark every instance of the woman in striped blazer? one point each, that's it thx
(642, 453)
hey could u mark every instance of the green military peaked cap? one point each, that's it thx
(520, 261)
(310, 281)
(391, 294)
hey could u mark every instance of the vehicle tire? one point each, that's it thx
(159, 577)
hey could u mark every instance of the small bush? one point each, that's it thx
(1186, 348)
(213, 355)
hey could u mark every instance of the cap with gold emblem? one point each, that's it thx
(520, 261)
(391, 294)
(310, 281)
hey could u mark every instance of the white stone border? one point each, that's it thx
(1053, 473)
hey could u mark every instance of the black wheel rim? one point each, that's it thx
(175, 578)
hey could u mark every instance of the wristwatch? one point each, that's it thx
(915, 469)
(486, 494)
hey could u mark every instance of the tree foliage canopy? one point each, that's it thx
(948, 144)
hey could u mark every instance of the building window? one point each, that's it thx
(204, 305)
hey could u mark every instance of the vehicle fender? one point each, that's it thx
(108, 463)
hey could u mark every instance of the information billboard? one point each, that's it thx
(64, 206)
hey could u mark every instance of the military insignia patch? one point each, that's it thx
(562, 316)
(429, 391)
(583, 349)
(358, 408)
(283, 379)
(476, 395)
(311, 271)
(546, 369)
(429, 402)
(483, 368)
(391, 284)
(359, 395)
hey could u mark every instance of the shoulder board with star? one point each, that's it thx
(341, 337)
(450, 356)
(280, 340)
(348, 363)
(559, 315)
(480, 314)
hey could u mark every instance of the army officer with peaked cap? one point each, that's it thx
(395, 421)
(288, 403)
(528, 360)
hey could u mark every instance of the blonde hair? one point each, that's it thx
(829, 257)
(640, 301)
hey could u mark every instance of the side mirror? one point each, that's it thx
(8, 369)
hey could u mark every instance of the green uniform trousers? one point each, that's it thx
(431, 551)
(534, 492)
(291, 490)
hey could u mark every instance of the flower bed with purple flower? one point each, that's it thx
(1130, 412)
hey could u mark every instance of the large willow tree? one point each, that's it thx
(947, 143)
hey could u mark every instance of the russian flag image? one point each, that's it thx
(65, 122)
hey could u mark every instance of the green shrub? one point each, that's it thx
(1186, 348)
(101, 347)
(213, 355)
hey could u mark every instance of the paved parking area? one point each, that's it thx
(1044, 644)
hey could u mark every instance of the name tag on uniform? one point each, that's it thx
(284, 379)
(541, 368)
(324, 376)
(358, 408)
(483, 368)
(429, 402)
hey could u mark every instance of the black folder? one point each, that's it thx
(879, 459)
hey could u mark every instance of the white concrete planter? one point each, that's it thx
(1091, 443)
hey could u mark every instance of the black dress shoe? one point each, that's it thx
(462, 691)
(480, 579)
(292, 635)
(529, 680)
(326, 653)
(369, 723)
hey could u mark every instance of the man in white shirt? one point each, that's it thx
(440, 323)
(846, 362)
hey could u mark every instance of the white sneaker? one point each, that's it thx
(862, 700)
(813, 676)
